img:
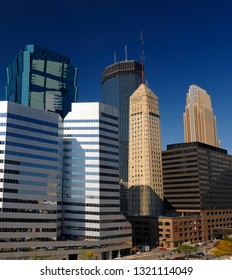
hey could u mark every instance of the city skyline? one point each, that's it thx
(186, 42)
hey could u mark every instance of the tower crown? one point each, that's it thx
(143, 90)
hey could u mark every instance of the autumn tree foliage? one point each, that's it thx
(224, 247)
(88, 255)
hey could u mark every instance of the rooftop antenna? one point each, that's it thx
(147, 83)
(143, 57)
(125, 52)
(114, 57)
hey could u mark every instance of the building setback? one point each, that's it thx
(145, 155)
(199, 120)
(42, 79)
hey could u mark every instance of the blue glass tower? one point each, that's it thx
(42, 79)
(119, 81)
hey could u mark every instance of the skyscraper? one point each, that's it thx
(199, 120)
(91, 201)
(30, 175)
(60, 193)
(145, 155)
(198, 182)
(197, 177)
(119, 81)
(42, 79)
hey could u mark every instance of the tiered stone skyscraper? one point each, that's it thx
(199, 120)
(145, 155)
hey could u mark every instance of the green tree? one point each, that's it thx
(167, 243)
(187, 249)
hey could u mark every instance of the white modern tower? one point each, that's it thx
(199, 120)
(91, 175)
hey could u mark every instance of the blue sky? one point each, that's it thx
(185, 41)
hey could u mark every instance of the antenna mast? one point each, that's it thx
(125, 52)
(143, 56)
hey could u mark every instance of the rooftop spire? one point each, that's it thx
(143, 57)
(125, 52)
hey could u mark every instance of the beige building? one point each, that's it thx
(145, 180)
(199, 120)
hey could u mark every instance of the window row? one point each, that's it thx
(34, 130)
(29, 164)
(91, 121)
(13, 153)
(81, 151)
(26, 119)
(91, 136)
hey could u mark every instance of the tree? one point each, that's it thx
(88, 255)
(224, 247)
(134, 249)
(187, 249)
(167, 243)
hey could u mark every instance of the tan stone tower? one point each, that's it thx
(199, 120)
(145, 184)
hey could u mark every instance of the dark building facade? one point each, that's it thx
(42, 79)
(119, 81)
(197, 177)
(144, 231)
(197, 181)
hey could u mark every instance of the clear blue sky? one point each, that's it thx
(186, 42)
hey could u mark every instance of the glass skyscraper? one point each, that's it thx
(119, 81)
(59, 183)
(42, 79)
(30, 176)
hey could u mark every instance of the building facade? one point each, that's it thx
(42, 79)
(91, 197)
(145, 233)
(197, 177)
(199, 120)
(203, 226)
(145, 155)
(173, 231)
(30, 175)
(58, 196)
(119, 81)
(197, 182)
